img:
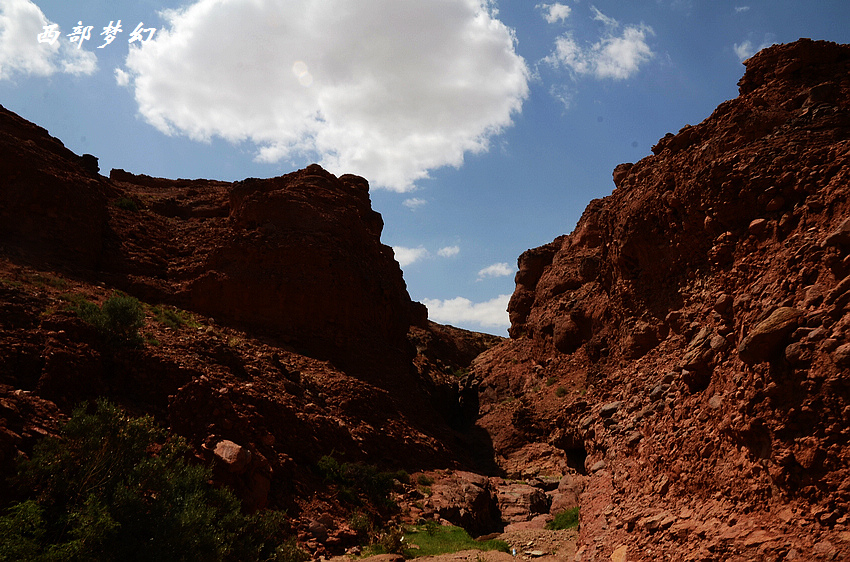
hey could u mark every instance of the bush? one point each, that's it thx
(424, 480)
(358, 481)
(113, 487)
(126, 204)
(560, 392)
(565, 520)
(118, 320)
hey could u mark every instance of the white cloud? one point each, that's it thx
(553, 13)
(21, 22)
(406, 256)
(489, 314)
(381, 88)
(616, 56)
(747, 49)
(741, 9)
(413, 203)
(448, 251)
(122, 78)
(496, 270)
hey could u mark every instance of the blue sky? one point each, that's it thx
(484, 127)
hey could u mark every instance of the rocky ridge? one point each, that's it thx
(278, 327)
(683, 351)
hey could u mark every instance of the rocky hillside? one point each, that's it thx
(278, 328)
(685, 352)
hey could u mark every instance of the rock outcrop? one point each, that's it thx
(685, 347)
(278, 328)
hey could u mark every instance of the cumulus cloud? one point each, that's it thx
(413, 203)
(618, 54)
(553, 13)
(385, 89)
(448, 251)
(496, 270)
(21, 23)
(459, 310)
(406, 256)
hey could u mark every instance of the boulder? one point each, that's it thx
(235, 457)
(521, 502)
(765, 340)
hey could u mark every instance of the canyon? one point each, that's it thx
(677, 366)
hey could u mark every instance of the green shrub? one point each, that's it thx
(433, 539)
(126, 204)
(560, 392)
(358, 481)
(111, 487)
(424, 480)
(118, 320)
(360, 524)
(551, 380)
(565, 520)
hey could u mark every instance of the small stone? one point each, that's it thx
(634, 438)
(723, 303)
(824, 549)
(841, 355)
(619, 554)
(757, 227)
(597, 466)
(775, 204)
(235, 457)
(659, 391)
(839, 236)
(610, 409)
(715, 402)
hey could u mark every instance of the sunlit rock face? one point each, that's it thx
(684, 350)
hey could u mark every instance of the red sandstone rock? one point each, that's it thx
(235, 457)
(749, 204)
(762, 342)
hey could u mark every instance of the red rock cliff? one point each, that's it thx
(687, 346)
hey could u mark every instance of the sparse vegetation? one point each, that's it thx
(174, 318)
(118, 319)
(560, 392)
(424, 480)
(565, 520)
(127, 204)
(112, 487)
(460, 373)
(551, 380)
(47, 280)
(433, 539)
(358, 482)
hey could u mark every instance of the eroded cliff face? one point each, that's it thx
(686, 347)
(293, 342)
